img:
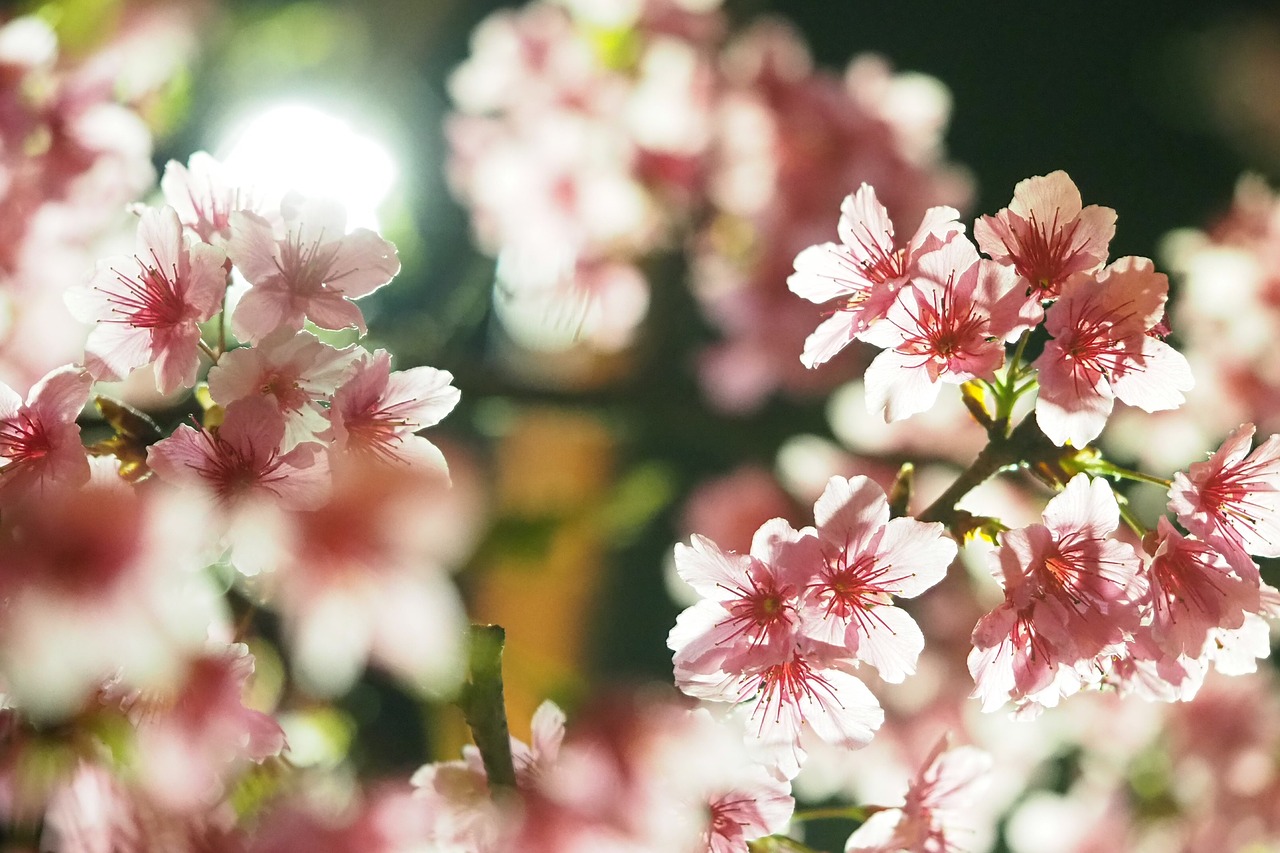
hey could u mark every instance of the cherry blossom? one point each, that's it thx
(937, 330)
(1069, 597)
(1235, 495)
(1046, 235)
(294, 370)
(95, 810)
(456, 794)
(191, 740)
(204, 195)
(376, 412)
(101, 582)
(643, 773)
(149, 307)
(310, 273)
(40, 445)
(242, 461)
(865, 273)
(742, 643)
(362, 575)
(750, 602)
(1102, 350)
(867, 561)
(1196, 588)
(754, 809)
(934, 818)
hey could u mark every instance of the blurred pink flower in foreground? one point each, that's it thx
(101, 582)
(936, 810)
(362, 575)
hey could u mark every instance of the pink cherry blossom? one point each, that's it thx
(755, 805)
(644, 773)
(864, 273)
(294, 370)
(101, 582)
(1234, 495)
(241, 460)
(191, 741)
(867, 561)
(1102, 350)
(149, 307)
(935, 815)
(1069, 596)
(742, 644)
(95, 810)
(1046, 235)
(205, 194)
(1195, 588)
(749, 600)
(40, 446)
(376, 412)
(310, 273)
(362, 576)
(937, 330)
(456, 794)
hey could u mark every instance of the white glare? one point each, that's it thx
(299, 148)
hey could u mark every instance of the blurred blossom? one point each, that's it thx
(101, 582)
(75, 152)
(1226, 318)
(362, 577)
(789, 143)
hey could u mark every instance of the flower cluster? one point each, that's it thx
(305, 478)
(588, 140)
(75, 152)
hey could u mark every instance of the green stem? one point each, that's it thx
(484, 707)
(832, 812)
(1109, 470)
(1126, 513)
(204, 348)
(777, 844)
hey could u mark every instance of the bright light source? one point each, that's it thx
(297, 147)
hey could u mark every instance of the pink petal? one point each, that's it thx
(1046, 194)
(177, 359)
(832, 335)
(60, 394)
(114, 350)
(1086, 506)
(711, 572)
(891, 641)
(864, 225)
(899, 385)
(422, 395)
(850, 512)
(825, 272)
(363, 263)
(920, 552)
(330, 310)
(1157, 380)
(159, 239)
(263, 310)
(252, 247)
